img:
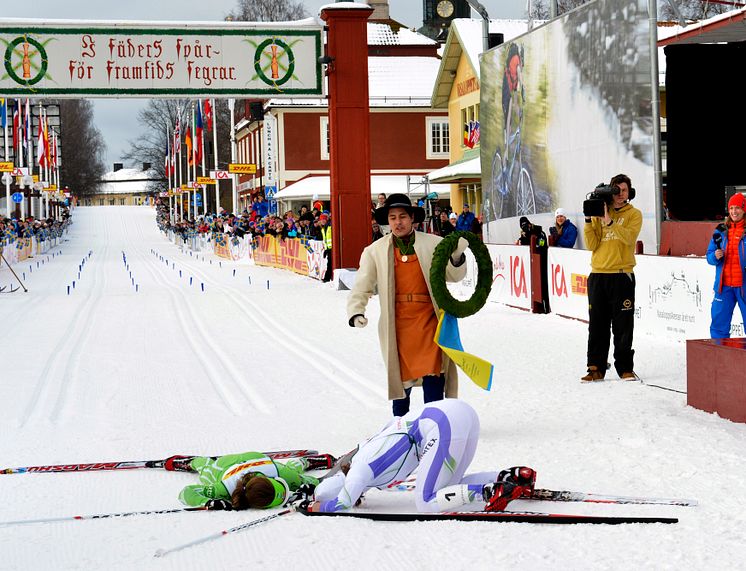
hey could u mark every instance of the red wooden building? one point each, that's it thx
(288, 140)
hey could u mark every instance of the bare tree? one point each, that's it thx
(82, 147)
(267, 11)
(692, 10)
(158, 118)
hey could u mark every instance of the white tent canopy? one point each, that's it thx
(454, 172)
(317, 187)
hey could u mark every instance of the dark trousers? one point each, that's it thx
(432, 388)
(611, 302)
(328, 274)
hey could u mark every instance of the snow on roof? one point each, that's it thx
(128, 181)
(392, 82)
(317, 187)
(727, 27)
(383, 34)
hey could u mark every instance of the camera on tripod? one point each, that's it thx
(602, 194)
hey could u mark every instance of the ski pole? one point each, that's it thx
(205, 539)
(100, 516)
(13, 272)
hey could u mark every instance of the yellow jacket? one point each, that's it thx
(613, 246)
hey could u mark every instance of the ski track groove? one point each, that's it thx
(296, 345)
(233, 372)
(68, 348)
(29, 301)
(188, 329)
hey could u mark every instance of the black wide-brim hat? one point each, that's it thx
(398, 201)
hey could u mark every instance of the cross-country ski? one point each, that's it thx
(376, 284)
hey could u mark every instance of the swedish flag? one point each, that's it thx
(448, 338)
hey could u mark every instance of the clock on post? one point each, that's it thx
(438, 14)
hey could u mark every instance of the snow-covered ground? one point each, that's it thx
(264, 359)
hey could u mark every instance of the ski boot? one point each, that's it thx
(179, 464)
(512, 484)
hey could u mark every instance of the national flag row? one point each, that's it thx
(47, 146)
(203, 120)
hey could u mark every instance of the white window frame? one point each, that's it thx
(324, 141)
(446, 142)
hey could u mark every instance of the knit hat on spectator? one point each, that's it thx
(739, 200)
(323, 217)
(453, 216)
(560, 212)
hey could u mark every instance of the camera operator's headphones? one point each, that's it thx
(632, 192)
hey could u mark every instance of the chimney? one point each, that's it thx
(118, 166)
(380, 10)
(146, 166)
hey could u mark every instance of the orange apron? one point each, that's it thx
(415, 319)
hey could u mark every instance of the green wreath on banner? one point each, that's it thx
(441, 256)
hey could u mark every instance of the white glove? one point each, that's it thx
(359, 321)
(460, 249)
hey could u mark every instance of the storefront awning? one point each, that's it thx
(469, 170)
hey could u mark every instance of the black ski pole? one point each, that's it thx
(13, 272)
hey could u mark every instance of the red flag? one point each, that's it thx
(41, 145)
(208, 115)
(16, 126)
(198, 134)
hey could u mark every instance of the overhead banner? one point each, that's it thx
(173, 59)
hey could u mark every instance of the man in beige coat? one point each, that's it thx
(397, 266)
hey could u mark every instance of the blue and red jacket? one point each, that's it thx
(713, 261)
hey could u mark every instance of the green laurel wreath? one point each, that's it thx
(442, 296)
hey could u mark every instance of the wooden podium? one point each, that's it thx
(716, 376)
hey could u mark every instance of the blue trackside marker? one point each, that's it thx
(68, 290)
(137, 288)
(267, 284)
(203, 286)
(234, 272)
(249, 280)
(73, 284)
(179, 273)
(190, 280)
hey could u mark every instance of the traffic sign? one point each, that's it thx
(242, 168)
(205, 180)
(17, 197)
(6, 166)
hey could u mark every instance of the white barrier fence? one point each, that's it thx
(672, 297)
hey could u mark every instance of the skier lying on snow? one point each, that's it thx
(438, 440)
(248, 480)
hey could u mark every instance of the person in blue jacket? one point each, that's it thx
(465, 219)
(564, 233)
(727, 252)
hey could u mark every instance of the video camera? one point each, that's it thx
(602, 194)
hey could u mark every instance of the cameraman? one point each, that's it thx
(611, 284)
(727, 252)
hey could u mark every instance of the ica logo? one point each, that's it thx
(559, 285)
(518, 286)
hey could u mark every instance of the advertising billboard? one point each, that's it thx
(564, 108)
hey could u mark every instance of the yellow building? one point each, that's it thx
(125, 187)
(457, 89)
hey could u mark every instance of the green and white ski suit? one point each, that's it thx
(219, 477)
